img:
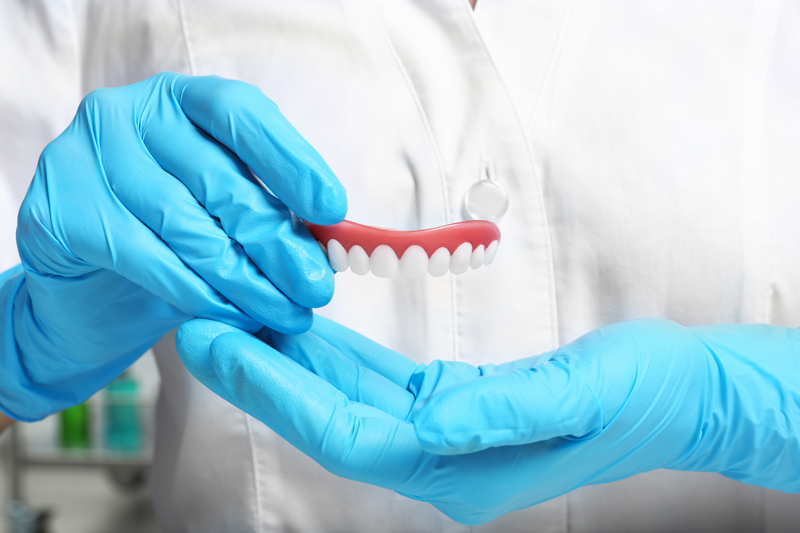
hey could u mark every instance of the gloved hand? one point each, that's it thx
(478, 442)
(142, 214)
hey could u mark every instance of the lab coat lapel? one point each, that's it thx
(522, 39)
(471, 118)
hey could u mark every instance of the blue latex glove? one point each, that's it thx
(142, 214)
(478, 442)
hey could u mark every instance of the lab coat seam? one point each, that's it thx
(78, 56)
(545, 226)
(770, 25)
(494, 67)
(769, 245)
(420, 110)
(755, 179)
(186, 38)
(551, 64)
(256, 484)
(546, 242)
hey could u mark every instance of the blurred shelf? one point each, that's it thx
(90, 457)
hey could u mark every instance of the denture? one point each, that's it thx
(387, 252)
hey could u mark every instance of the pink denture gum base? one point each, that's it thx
(386, 252)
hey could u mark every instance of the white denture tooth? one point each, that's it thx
(477, 257)
(359, 260)
(322, 247)
(337, 256)
(414, 262)
(491, 250)
(383, 262)
(459, 262)
(439, 262)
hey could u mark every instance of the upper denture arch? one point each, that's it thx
(385, 252)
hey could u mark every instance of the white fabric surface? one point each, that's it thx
(650, 149)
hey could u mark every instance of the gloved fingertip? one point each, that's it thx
(335, 203)
(298, 323)
(432, 442)
(193, 343)
(318, 287)
(233, 357)
(330, 206)
(227, 347)
(197, 334)
(436, 432)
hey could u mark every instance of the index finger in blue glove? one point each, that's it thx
(242, 118)
(284, 251)
(357, 382)
(49, 231)
(347, 438)
(393, 366)
(167, 207)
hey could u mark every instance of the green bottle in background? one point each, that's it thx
(75, 427)
(123, 429)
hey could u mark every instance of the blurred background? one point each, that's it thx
(86, 469)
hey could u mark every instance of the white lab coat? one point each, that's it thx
(650, 150)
